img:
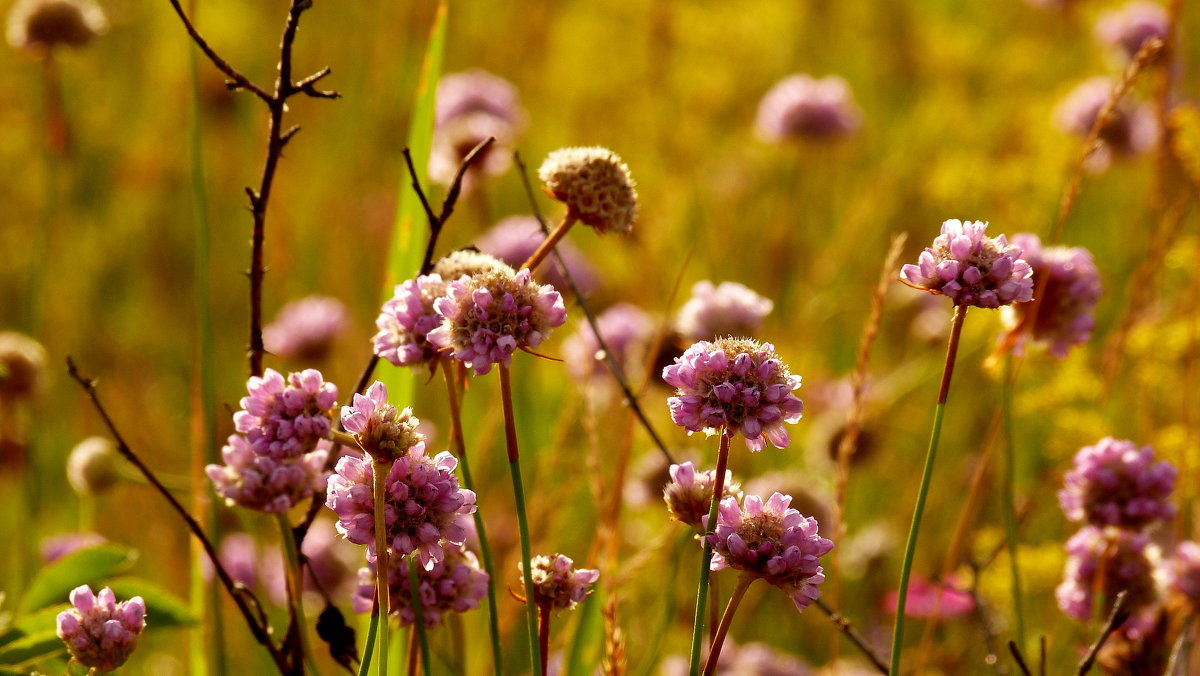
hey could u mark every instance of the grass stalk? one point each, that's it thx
(1010, 495)
(418, 628)
(702, 590)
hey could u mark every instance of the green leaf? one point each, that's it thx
(38, 623)
(86, 566)
(584, 654)
(31, 648)
(163, 609)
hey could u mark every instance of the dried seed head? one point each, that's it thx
(467, 262)
(22, 361)
(594, 184)
(92, 466)
(41, 25)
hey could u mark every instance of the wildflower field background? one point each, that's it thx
(957, 119)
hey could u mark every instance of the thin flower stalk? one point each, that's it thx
(459, 442)
(381, 563)
(544, 637)
(709, 527)
(960, 314)
(548, 244)
(514, 466)
(743, 583)
(1010, 495)
(418, 628)
(295, 588)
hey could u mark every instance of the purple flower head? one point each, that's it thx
(929, 600)
(514, 239)
(1127, 28)
(772, 541)
(1182, 573)
(423, 504)
(472, 106)
(594, 184)
(99, 632)
(627, 332)
(1110, 561)
(383, 431)
(557, 584)
(970, 268)
(305, 328)
(406, 319)
(1115, 483)
(803, 107)
(487, 317)
(726, 309)
(286, 418)
(734, 385)
(55, 547)
(264, 483)
(1130, 130)
(689, 493)
(239, 554)
(455, 584)
(1072, 288)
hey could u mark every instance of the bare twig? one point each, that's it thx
(851, 633)
(438, 221)
(1016, 653)
(609, 361)
(1115, 619)
(238, 592)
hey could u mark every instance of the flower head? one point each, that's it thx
(92, 466)
(22, 362)
(455, 584)
(726, 309)
(734, 385)
(689, 493)
(1182, 573)
(472, 106)
(1115, 483)
(514, 239)
(931, 600)
(487, 317)
(406, 319)
(804, 107)
(467, 263)
(1129, 130)
(1072, 288)
(383, 431)
(286, 418)
(627, 331)
(557, 584)
(772, 541)
(423, 504)
(305, 328)
(1124, 560)
(55, 547)
(1130, 26)
(971, 268)
(99, 632)
(594, 184)
(44, 24)
(264, 483)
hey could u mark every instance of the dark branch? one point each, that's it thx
(851, 633)
(1115, 619)
(1016, 653)
(236, 79)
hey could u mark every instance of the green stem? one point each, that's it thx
(960, 314)
(1010, 494)
(364, 667)
(382, 589)
(459, 443)
(295, 585)
(414, 588)
(514, 466)
(702, 591)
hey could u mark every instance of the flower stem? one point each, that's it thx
(414, 588)
(702, 591)
(458, 442)
(514, 466)
(291, 560)
(544, 637)
(548, 244)
(381, 470)
(1010, 495)
(743, 583)
(960, 314)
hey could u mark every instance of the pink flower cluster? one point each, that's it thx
(804, 107)
(99, 632)
(725, 309)
(406, 320)
(772, 541)
(1182, 572)
(627, 331)
(1069, 296)
(454, 584)
(381, 430)
(263, 483)
(471, 106)
(1130, 129)
(734, 385)
(514, 239)
(305, 328)
(1109, 561)
(283, 419)
(970, 268)
(689, 493)
(1116, 483)
(1130, 26)
(557, 584)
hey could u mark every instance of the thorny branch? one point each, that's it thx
(1115, 619)
(851, 633)
(254, 617)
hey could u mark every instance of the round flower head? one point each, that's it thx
(264, 483)
(455, 584)
(689, 493)
(305, 328)
(594, 184)
(1130, 130)
(22, 361)
(1128, 28)
(92, 466)
(726, 309)
(423, 504)
(627, 332)
(514, 239)
(406, 320)
(803, 107)
(284, 419)
(468, 263)
(383, 431)
(1115, 483)
(970, 268)
(41, 25)
(772, 541)
(99, 632)
(557, 584)
(487, 317)
(472, 106)
(1123, 558)
(1182, 573)
(930, 600)
(734, 385)
(1072, 288)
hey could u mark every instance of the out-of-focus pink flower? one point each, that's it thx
(804, 107)
(725, 309)
(514, 239)
(305, 328)
(929, 600)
